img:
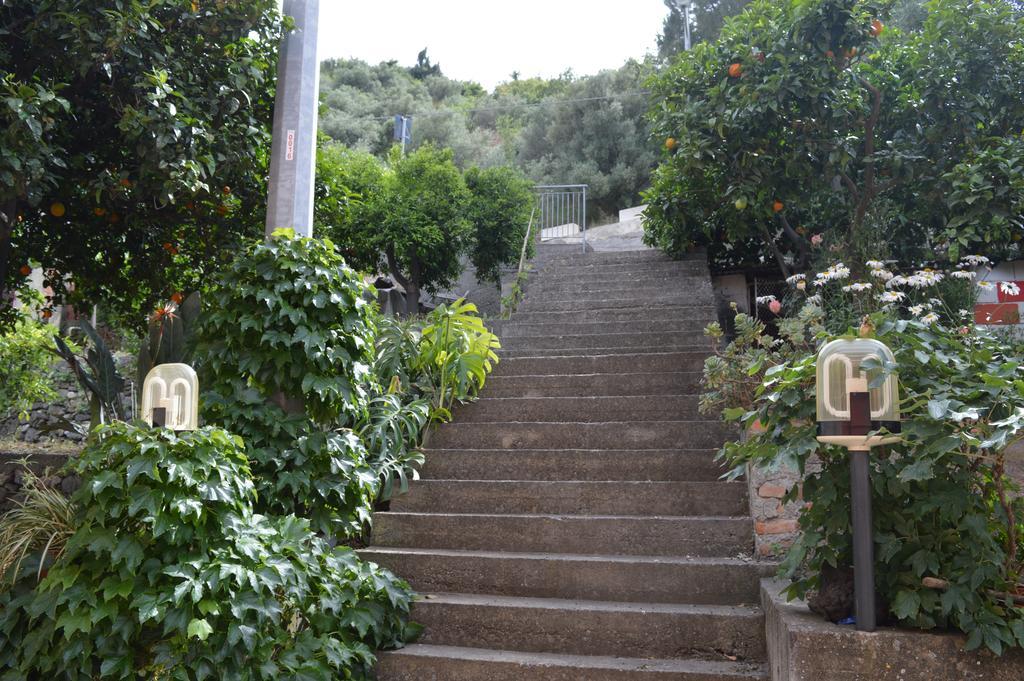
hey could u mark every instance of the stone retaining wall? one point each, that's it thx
(48, 466)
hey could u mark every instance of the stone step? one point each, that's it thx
(568, 257)
(699, 581)
(597, 385)
(694, 294)
(590, 271)
(612, 435)
(570, 351)
(589, 363)
(631, 302)
(632, 339)
(657, 630)
(705, 314)
(660, 465)
(422, 662)
(602, 497)
(579, 409)
(515, 329)
(618, 535)
(552, 286)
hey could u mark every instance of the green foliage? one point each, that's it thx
(943, 505)
(171, 574)
(37, 529)
(285, 351)
(500, 207)
(149, 123)
(289, 318)
(102, 381)
(393, 432)
(419, 217)
(171, 336)
(589, 129)
(346, 182)
(26, 358)
(843, 128)
(456, 354)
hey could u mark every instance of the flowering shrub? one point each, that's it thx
(948, 527)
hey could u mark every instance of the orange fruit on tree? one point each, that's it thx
(830, 54)
(876, 28)
(670, 143)
(57, 209)
(777, 206)
(735, 70)
(222, 209)
(47, 314)
(125, 182)
(25, 270)
(99, 212)
(114, 217)
(225, 190)
(176, 297)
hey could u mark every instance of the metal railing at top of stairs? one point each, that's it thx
(563, 212)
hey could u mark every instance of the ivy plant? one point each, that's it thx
(285, 349)
(171, 574)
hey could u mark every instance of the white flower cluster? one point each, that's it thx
(1010, 288)
(884, 275)
(930, 318)
(962, 274)
(986, 285)
(764, 300)
(892, 296)
(857, 288)
(792, 281)
(974, 260)
(836, 272)
(924, 278)
(875, 264)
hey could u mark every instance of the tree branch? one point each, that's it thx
(389, 253)
(869, 191)
(798, 241)
(848, 181)
(775, 249)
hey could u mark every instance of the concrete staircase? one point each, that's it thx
(570, 524)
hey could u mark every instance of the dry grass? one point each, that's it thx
(41, 523)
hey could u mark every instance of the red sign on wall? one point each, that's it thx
(997, 313)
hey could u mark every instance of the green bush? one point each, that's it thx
(171, 574)
(285, 348)
(943, 505)
(26, 363)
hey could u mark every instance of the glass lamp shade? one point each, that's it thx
(839, 374)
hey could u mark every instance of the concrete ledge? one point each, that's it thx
(803, 647)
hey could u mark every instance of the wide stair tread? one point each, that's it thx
(573, 523)
(423, 662)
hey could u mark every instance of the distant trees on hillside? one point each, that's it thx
(568, 129)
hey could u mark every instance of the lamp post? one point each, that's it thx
(684, 8)
(849, 410)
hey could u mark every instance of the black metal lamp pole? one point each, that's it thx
(860, 507)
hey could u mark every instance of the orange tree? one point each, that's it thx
(811, 116)
(133, 142)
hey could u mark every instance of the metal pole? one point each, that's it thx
(584, 225)
(863, 540)
(686, 26)
(293, 146)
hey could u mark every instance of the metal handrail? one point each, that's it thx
(526, 240)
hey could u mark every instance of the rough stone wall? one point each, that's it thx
(47, 466)
(48, 421)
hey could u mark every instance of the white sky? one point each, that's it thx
(486, 41)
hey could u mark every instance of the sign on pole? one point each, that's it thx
(403, 130)
(293, 147)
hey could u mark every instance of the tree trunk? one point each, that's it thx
(412, 290)
(408, 284)
(7, 222)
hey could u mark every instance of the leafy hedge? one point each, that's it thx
(948, 527)
(172, 574)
